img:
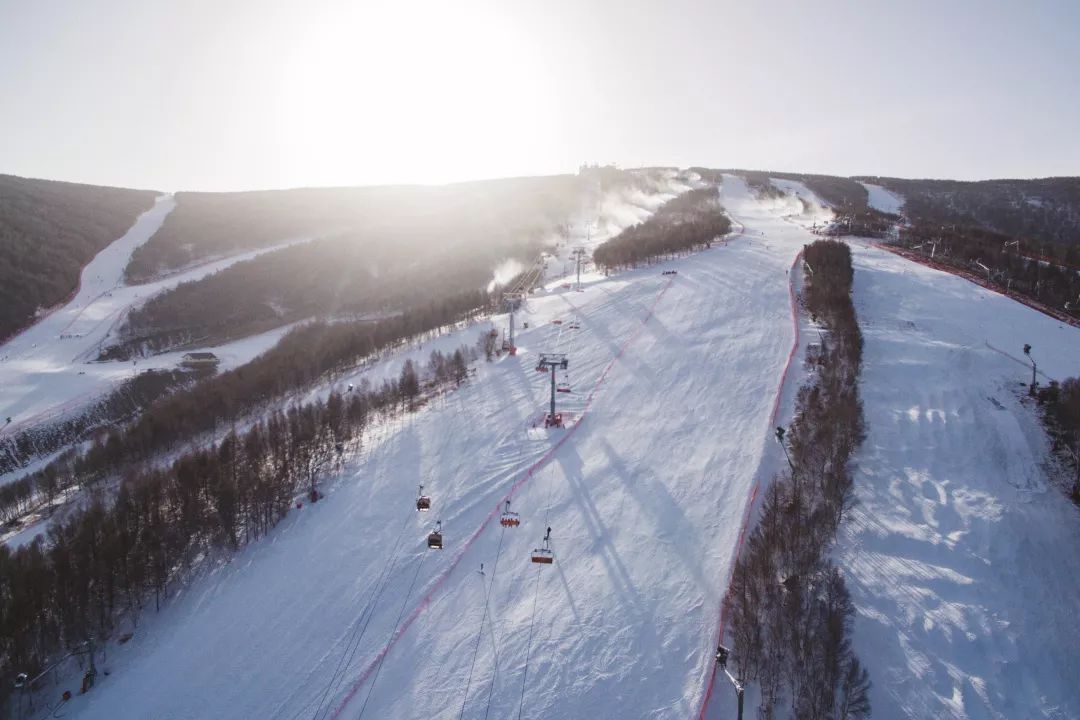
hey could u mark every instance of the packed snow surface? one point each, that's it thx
(673, 380)
(883, 200)
(960, 554)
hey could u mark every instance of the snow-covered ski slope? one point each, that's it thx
(674, 379)
(960, 554)
(800, 203)
(45, 371)
(884, 200)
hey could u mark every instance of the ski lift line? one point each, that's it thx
(483, 620)
(359, 626)
(369, 610)
(526, 475)
(397, 623)
(360, 623)
(528, 644)
(737, 550)
(381, 585)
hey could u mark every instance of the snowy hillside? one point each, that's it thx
(959, 555)
(343, 611)
(675, 384)
(883, 199)
(46, 371)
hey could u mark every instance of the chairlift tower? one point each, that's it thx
(579, 253)
(512, 300)
(552, 362)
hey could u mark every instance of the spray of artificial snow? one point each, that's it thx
(505, 272)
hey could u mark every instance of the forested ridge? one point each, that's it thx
(691, 221)
(48, 232)
(374, 251)
(790, 610)
(349, 276)
(208, 225)
(1043, 211)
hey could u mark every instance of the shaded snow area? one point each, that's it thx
(883, 200)
(960, 555)
(342, 612)
(45, 371)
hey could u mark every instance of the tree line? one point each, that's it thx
(105, 561)
(308, 354)
(790, 611)
(1061, 416)
(689, 222)
(1044, 210)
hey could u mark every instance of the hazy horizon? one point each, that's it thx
(250, 96)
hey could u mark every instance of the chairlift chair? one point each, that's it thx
(543, 554)
(509, 519)
(434, 538)
(563, 387)
(423, 502)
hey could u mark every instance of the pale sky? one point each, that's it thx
(246, 94)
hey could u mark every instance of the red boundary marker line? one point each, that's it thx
(528, 475)
(754, 491)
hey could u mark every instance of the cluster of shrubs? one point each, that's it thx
(790, 612)
(691, 221)
(103, 562)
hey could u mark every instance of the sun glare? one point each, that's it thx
(442, 95)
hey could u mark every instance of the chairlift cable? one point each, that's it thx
(401, 612)
(483, 620)
(528, 644)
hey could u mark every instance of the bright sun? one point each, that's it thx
(431, 96)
